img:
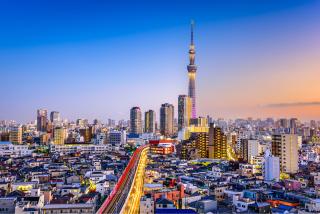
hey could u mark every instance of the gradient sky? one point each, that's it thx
(96, 59)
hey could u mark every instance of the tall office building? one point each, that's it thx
(192, 70)
(135, 121)
(59, 136)
(184, 111)
(217, 143)
(15, 135)
(150, 121)
(55, 117)
(271, 167)
(285, 146)
(166, 119)
(42, 120)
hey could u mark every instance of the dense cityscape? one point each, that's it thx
(160, 107)
(159, 162)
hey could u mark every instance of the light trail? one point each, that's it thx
(132, 204)
(120, 194)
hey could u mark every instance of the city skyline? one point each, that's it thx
(245, 69)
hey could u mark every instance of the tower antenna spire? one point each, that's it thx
(192, 26)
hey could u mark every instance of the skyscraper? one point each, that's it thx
(149, 121)
(166, 119)
(55, 117)
(135, 121)
(248, 149)
(285, 146)
(184, 111)
(42, 120)
(192, 70)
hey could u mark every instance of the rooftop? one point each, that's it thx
(67, 206)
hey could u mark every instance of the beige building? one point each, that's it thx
(68, 208)
(135, 120)
(149, 121)
(146, 205)
(285, 146)
(166, 119)
(15, 135)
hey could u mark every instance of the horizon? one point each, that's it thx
(87, 61)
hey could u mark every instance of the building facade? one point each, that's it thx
(271, 167)
(135, 121)
(59, 135)
(184, 111)
(55, 117)
(217, 143)
(15, 135)
(42, 120)
(150, 121)
(285, 146)
(166, 119)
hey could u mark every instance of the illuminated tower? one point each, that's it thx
(192, 70)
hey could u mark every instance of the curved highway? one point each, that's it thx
(116, 200)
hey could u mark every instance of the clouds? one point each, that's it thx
(295, 104)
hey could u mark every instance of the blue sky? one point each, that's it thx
(96, 59)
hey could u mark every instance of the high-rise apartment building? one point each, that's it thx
(166, 119)
(59, 135)
(202, 141)
(135, 121)
(192, 70)
(150, 121)
(285, 146)
(15, 135)
(248, 149)
(217, 143)
(55, 117)
(42, 120)
(184, 111)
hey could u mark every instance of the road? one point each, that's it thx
(115, 202)
(132, 204)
